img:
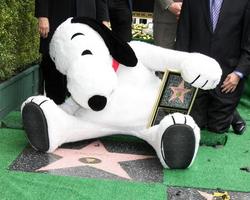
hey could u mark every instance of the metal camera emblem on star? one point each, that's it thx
(175, 95)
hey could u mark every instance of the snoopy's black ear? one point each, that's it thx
(119, 49)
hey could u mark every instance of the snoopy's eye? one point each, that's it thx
(86, 52)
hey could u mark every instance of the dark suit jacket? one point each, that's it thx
(229, 44)
(58, 11)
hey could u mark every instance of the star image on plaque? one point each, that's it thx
(175, 95)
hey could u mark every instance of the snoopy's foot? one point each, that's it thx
(35, 125)
(178, 146)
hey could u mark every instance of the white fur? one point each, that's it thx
(131, 91)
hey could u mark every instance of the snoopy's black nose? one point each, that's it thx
(97, 102)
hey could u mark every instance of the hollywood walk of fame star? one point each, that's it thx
(179, 92)
(93, 155)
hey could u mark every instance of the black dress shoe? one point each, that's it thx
(238, 124)
(239, 128)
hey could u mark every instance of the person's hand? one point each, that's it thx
(175, 8)
(43, 26)
(230, 83)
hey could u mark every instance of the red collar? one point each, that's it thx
(115, 65)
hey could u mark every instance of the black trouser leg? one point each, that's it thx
(236, 117)
(120, 19)
(222, 108)
(55, 82)
(199, 109)
(214, 110)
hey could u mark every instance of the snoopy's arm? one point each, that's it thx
(197, 69)
(157, 58)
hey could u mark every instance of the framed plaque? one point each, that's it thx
(175, 95)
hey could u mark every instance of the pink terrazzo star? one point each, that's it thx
(93, 155)
(179, 92)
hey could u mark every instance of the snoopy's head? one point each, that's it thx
(85, 50)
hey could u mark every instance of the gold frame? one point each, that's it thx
(163, 87)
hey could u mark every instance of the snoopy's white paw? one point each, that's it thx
(201, 71)
(180, 138)
(39, 100)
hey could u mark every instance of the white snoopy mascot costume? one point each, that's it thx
(109, 98)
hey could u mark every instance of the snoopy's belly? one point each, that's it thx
(128, 108)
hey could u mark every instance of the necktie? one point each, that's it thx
(215, 11)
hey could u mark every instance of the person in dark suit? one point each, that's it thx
(50, 14)
(120, 16)
(220, 29)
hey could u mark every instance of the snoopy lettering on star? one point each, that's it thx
(109, 98)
